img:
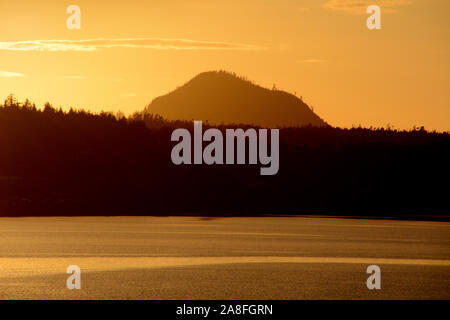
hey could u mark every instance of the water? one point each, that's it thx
(224, 258)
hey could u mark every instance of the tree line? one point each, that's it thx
(56, 163)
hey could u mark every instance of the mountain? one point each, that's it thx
(222, 97)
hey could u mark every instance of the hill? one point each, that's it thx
(223, 98)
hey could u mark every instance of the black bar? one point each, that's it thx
(225, 309)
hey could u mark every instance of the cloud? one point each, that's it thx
(312, 61)
(6, 74)
(95, 44)
(360, 6)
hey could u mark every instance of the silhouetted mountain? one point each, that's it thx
(222, 97)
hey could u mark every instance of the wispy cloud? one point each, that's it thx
(312, 61)
(359, 6)
(6, 74)
(149, 43)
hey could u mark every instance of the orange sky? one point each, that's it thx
(320, 49)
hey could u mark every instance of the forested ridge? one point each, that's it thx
(80, 163)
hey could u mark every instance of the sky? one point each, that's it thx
(126, 53)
